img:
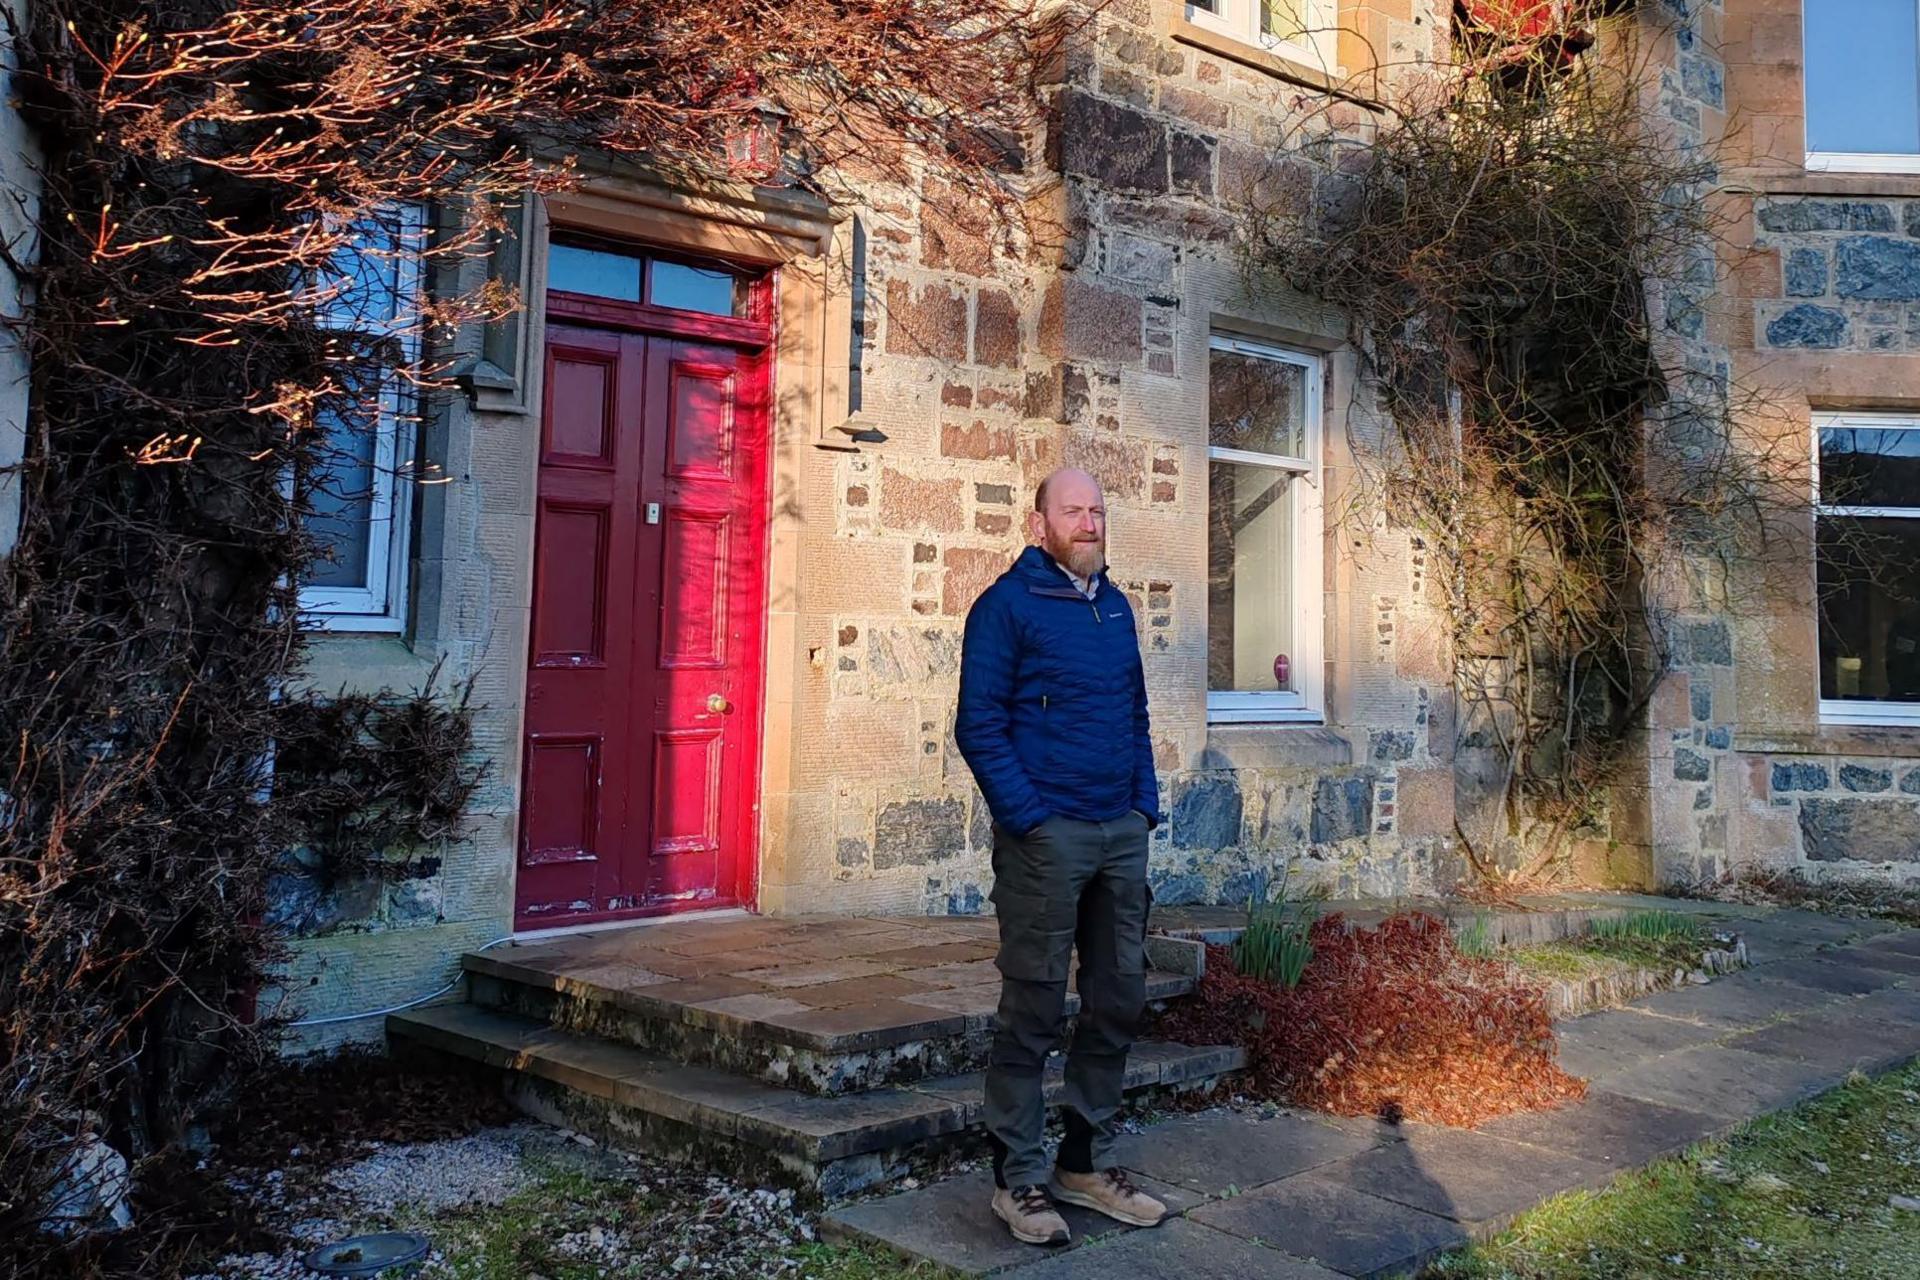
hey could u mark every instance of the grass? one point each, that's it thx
(1658, 940)
(1588, 956)
(1789, 1197)
(1645, 926)
(1476, 939)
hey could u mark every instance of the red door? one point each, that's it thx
(642, 722)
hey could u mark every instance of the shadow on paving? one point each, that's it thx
(1301, 1196)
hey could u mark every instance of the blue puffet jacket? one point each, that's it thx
(1053, 701)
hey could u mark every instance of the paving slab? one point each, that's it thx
(876, 1025)
(1222, 1151)
(1598, 1044)
(1335, 1226)
(1903, 941)
(952, 1223)
(1718, 1081)
(1609, 1129)
(1475, 1179)
(1741, 1002)
(1901, 1007)
(1869, 956)
(1179, 1250)
(1842, 1041)
(1828, 975)
(1791, 935)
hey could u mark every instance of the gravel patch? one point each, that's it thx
(485, 1168)
(639, 1217)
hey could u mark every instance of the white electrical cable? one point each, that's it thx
(392, 1008)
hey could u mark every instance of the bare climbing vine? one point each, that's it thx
(1521, 251)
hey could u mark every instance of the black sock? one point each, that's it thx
(1076, 1148)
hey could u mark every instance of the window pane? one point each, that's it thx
(1863, 76)
(1870, 467)
(1869, 612)
(1257, 405)
(695, 289)
(370, 271)
(342, 497)
(1249, 578)
(595, 272)
(1283, 19)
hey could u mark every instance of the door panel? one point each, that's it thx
(644, 671)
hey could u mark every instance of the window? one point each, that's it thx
(628, 277)
(1264, 590)
(1300, 29)
(359, 488)
(1863, 85)
(1867, 542)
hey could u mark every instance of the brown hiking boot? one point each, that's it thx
(1110, 1192)
(1029, 1213)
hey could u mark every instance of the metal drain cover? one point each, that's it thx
(367, 1255)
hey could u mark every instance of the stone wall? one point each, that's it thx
(1818, 304)
(1850, 273)
(986, 369)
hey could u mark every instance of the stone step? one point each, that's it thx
(831, 1145)
(833, 1037)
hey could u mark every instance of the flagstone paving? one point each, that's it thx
(1299, 1196)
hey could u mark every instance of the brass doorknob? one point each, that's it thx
(718, 704)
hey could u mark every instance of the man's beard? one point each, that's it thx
(1082, 558)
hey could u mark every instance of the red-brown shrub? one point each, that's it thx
(1391, 1020)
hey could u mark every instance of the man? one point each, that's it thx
(1053, 723)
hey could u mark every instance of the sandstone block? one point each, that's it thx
(976, 441)
(930, 321)
(1426, 802)
(996, 329)
(1118, 463)
(1113, 144)
(909, 502)
(969, 572)
(1079, 320)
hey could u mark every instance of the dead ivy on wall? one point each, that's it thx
(1515, 248)
(212, 170)
(377, 784)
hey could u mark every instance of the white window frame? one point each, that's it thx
(1858, 711)
(1240, 20)
(380, 605)
(1851, 161)
(1306, 703)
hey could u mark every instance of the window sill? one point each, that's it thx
(1773, 181)
(1835, 738)
(1273, 745)
(362, 664)
(1262, 60)
(1851, 162)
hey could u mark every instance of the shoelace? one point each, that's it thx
(1117, 1178)
(1032, 1199)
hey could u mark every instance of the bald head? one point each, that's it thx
(1069, 521)
(1067, 477)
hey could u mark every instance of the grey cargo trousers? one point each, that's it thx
(1065, 884)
